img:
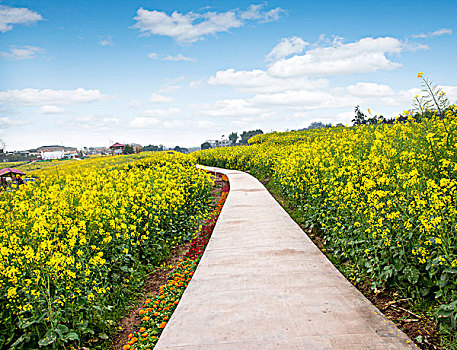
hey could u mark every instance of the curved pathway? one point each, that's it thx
(263, 284)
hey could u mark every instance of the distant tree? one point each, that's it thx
(233, 137)
(128, 149)
(360, 117)
(246, 135)
(205, 145)
(2, 146)
(153, 148)
(318, 125)
(180, 149)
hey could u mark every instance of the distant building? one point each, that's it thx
(34, 153)
(137, 147)
(52, 155)
(96, 151)
(57, 152)
(117, 148)
(219, 143)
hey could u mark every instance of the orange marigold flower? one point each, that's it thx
(147, 301)
(126, 347)
(176, 302)
(130, 336)
(420, 74)
(142, 312)
(144, 335)
(142, 329)
(146, 318)
(163, 324)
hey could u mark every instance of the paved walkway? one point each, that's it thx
(263, 284)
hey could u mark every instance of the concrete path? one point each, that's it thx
(263, 284)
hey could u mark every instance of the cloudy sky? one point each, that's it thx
(90, 73)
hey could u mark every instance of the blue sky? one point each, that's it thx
(88, 73)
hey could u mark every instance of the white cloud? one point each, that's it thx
(451, 92)
(6, 122)
(49, 109)
(22, 53)
(256, 12)
(106, 41)
(294, 98)
(443, 31)
(179, 57)
(157, 98)
(134, 103)
(343, 117)
(229, 108)
(144, 122)
(10, 16)
(413, 47)
(190, 27)
(369, 89)
(287, 47)
(205, 123)
(90, 123)
(160, 113)
(48, 96)
(363, 56)
(196, 84)
(261, 82)
(98, 123)
(171, 124)
(170, 87)
(152, 117)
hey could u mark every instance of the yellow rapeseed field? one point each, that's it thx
(74, 242)
(384, 196)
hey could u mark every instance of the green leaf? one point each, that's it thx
(71, 336)
(25, 325)
(49, 338)
(411, 274)
(18, 341)
(62, 328)
(443, 280)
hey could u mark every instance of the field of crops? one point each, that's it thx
(384, 197)
(74, 243)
